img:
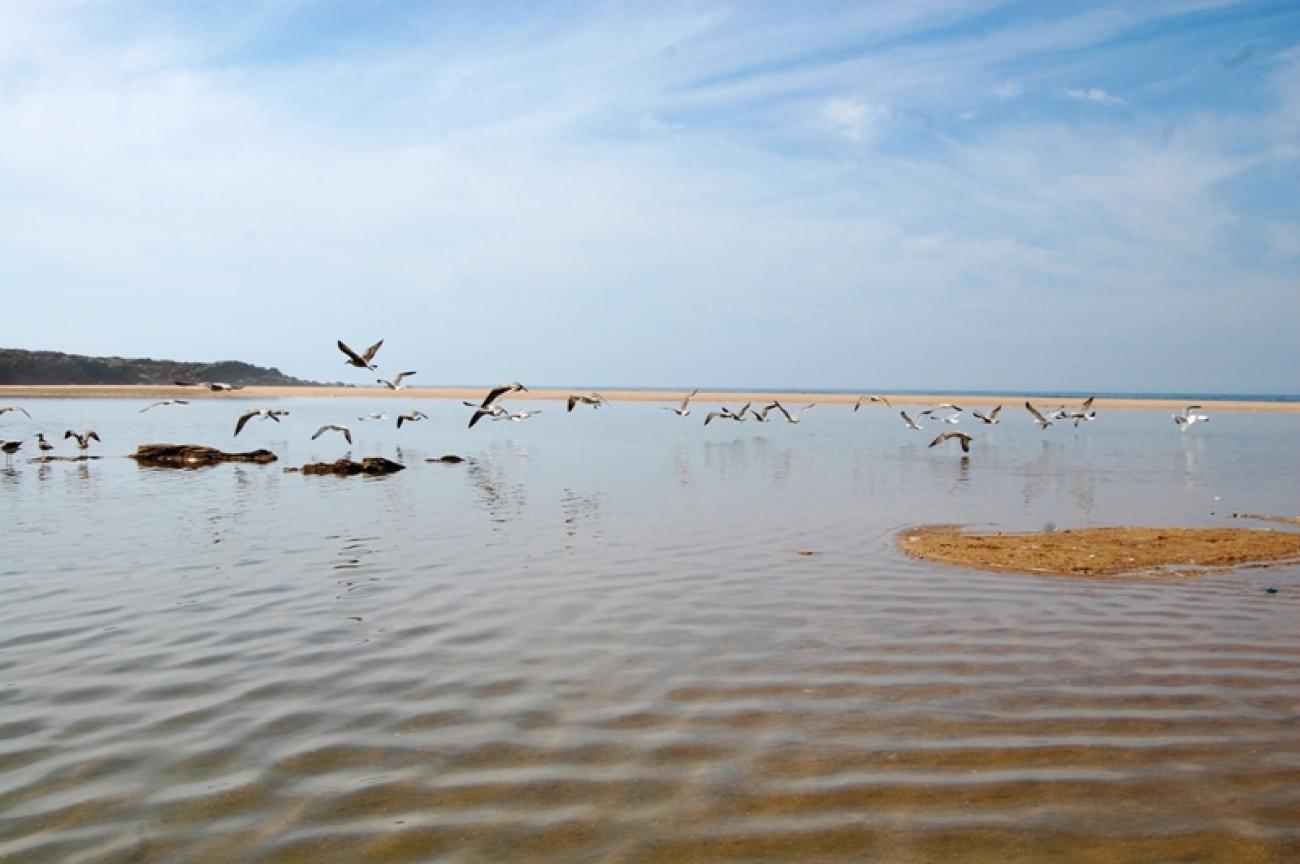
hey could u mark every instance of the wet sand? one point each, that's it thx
(133, 391)
(1102, 551)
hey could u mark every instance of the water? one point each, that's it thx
(595, 640)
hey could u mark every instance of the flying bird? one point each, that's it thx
(396, 383)
(84, 439)
(264, 413)
(331, 427)
(724, 412)
(5, 409)
(486, 410)
(862, 399)
(683, 409)
(797, 415)
(517, 416)
(954, 417)
(960, 436)
(413, 417)
(1042, 421)
(595, 400)
(760, 414)
(1187, 418)
(911, 424)
(362, 360)
(990, 418)
(373, 415)
(164, 402)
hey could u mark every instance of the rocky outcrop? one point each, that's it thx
(449, 459)
(193, 456)
(346, 467)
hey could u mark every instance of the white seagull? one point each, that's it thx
(362, 360)
(413, 417)
(164, 402)
(331, 427)
(960, 436)
(487, 408)
(264, 413)
(396, 383)
(684, 408)
(5, 409)
(1187, 418)
(862, 399)
(518, 416)
(797, 415)
(1042, 421)
(595, 400)
(84, 439)
(990, 418)
(911, 424)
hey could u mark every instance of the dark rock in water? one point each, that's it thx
(346, 467)
(193, 456)
(449, 459)
(43, 460)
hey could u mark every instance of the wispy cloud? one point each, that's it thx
(1095, 95)
(808, 178)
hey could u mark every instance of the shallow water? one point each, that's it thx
(595, 640)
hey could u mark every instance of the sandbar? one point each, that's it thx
(1105, 551)
(730, 397)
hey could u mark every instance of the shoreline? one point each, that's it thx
(149, 391)
(145, 391)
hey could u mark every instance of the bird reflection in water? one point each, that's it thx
(581, 513)
(503, 499)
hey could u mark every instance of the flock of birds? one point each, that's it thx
(492, 407)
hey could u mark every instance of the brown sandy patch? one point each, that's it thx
(1102, 551)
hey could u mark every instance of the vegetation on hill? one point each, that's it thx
(19, 366)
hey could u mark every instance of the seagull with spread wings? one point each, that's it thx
(960, 436)
(364, 359)
(1042, 421)
(333, 427)
(264, 413)
(683, 409)
(396, 383)
(862, 399)
(990, 418)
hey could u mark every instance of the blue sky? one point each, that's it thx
(974, 195)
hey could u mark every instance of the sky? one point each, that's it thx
(859, 196)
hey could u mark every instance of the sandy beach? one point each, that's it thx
(132, 391)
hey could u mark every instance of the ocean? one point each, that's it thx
(598, 639)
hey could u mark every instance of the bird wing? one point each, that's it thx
(883, 399)
(1037, 416)
(353, 357)
(979, 416)
(1087, 403)
(370, 352)
(400, 418)
(687, 400)
(479, 414)
(347, 433)
(401, 375)
(858, 404)
(90, 433)
(147, 407)
(944, 436)
(911, 424)
(708, 418)
(781, 408)
(573, 400)
(244, 418)
(494, 394)
(803, 409)
(994, 413)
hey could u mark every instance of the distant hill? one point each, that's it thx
(18, 366)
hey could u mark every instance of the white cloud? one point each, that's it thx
(854, 119)
(1095, 95)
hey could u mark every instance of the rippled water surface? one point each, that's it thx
(595, 640)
